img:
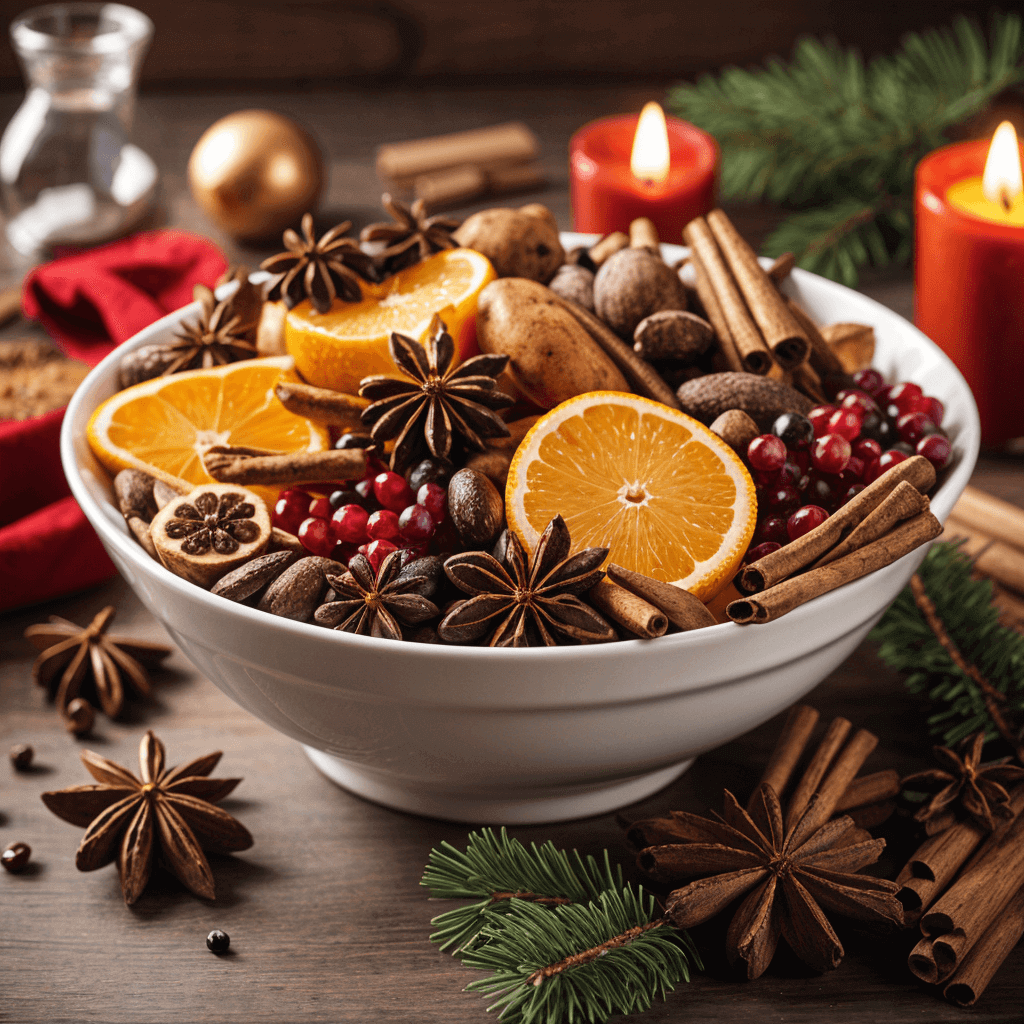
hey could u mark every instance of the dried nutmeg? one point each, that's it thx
(79, 716)
(631, 285)
(211, 530)
(493, 464)
(673, 334)
(761, 398)
(21, 757)
(476, 508)
(247, 580)
(575, 283)
(518, 243)
(736, 429)
(16, 856)
(297, 592)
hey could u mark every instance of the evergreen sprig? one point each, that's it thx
(964, 606)
(493, 865)
(838, 139)
(561, 935)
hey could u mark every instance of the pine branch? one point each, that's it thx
(580, 961)
(497, 870)
(988, 672)
(828, 133)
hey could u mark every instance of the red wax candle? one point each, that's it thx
(607, 195)
(969, 284)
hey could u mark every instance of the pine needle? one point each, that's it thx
(839, 139)
(971, 621)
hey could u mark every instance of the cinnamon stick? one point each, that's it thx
(821, 356)
(679, 606)
(770, 604)
(829, 746)
(878, 787)
(746, 336)
(607, 246)
(806, 379)
(236, 466)
(922, 962)
(450, 186)
(782, 334)
(644, 235)
(320, 404)
(706, 293)
(991, 557)
(782, 267)
(499, 144)
(990, 515)
(969, 907)
(640, 374)
(904, 501)
(780, 564)
(519, 177)
(625, 608)
(800, 723)
(869, 816)
(978, 968)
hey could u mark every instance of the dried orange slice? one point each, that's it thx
(338, 348)
(668, 497)
(163, 426)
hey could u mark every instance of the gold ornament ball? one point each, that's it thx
(255, 173)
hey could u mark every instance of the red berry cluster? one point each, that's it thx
(380, 513)
(809, 466)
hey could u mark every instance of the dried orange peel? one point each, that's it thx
(667, 496)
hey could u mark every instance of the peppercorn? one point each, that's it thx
(21, 756)
(16, 856)
(218, 941)
(79, 716)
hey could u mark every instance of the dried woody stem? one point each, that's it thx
(531, 897)
(993, 698)
(248, 466)
(588, 955)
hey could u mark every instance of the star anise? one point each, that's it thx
(789, 879)
(318, 270)
(130, 818)
(439, 402)
(70, 654)
(213, 521)
(964, 785)
(523, 604)
(375, 603)
(412, 236)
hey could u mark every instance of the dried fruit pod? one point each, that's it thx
(476, 508)
(143, 363)
(631, 285)
(736, 429)
(517, 243)
(203, 535)
(575, 283)
(673, 334)
(493, 464)
(853, 344)
(16, 856)
(298, 591)
(249, 579)
(21, 755)
(761, 398)
(79, 716)
(134, 492)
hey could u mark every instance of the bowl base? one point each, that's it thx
(481, 807)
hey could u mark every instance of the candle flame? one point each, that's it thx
(1001, 181)
(650, 158)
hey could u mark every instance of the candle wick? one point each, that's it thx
(1004, 198)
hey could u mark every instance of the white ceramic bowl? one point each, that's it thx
(517, 736)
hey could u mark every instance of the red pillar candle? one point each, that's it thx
(969, 282)
(607, 195)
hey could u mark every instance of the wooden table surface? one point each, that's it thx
(326, 916)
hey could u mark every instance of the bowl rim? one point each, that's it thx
(690, 643)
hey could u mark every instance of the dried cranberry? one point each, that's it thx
(912, 426)
(819, 417)
(416, 524)
(869, 380)
(317, 537)
(291, 508)
(933, 409)
(822, 490)
(851, 492)
(805, 519)
(349, 524)
(936, 449)
(377, 551)
(766, 453)
(429, 471)
(905, 395)
(320, 508)
(383, 525)
(796, 431)
(753, 554)
(831, 453)
(772, 528)
(854, 468)
(887, 461)
(782, 499)
(867, 449)
(391, 490)
(846, 423)
(434, 499)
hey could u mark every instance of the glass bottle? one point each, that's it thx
(69, 174)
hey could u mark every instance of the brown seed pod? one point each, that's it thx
(631, 285)
(249, 579)
(672, 334)
(493, 464)
(79, 716)
(476, 508)
(517, 243)
(203, 535)
(16, 856)
(297, 592)
(575, 283)
(21, 757)
(761, 398)
(736, 429)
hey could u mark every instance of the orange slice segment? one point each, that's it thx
(669, 498)
(163, 426)
(338, 348)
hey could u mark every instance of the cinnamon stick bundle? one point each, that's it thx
(990, 515)
(992, 557)
(628, 610)
(239, 466)
(821, 357)
(679, 606)
(709, 300)
(780, 564)
(743, 331)
(769, 604)
(783, 335)
(789, 747)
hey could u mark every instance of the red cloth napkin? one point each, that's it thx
(89, 303)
